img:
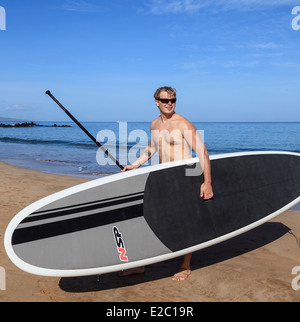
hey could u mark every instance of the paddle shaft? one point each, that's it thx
(85, 130)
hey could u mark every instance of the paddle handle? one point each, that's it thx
(85, 130)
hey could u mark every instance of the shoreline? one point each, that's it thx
(256, 266)
(69, 150)
(296, 207)
(55, 168)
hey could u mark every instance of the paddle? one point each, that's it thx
(85, 130)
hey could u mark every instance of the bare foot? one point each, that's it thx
(182, 275)
(132, 271)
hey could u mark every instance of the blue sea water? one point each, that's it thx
(69, 151)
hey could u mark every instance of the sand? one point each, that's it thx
(256, 266)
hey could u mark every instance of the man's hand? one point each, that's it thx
(130, 167)
(206, 191)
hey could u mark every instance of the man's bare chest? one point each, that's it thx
(168, 136)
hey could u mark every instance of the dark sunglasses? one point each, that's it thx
(167, 100)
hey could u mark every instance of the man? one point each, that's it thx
(173, 137)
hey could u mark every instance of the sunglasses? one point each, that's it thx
(167, 100)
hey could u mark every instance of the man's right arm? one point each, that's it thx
(145, 156)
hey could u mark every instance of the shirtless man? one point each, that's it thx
(173, 137)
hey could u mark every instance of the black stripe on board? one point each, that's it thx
(28, 234)
(88, 203)
(82, 208)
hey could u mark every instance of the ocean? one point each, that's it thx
(69, 151)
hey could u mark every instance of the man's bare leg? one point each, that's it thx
(132, 271)
(185, 270)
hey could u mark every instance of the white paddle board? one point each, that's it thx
(150, 214)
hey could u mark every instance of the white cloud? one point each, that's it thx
(81, 6)
(241, 64)
(194, 6)
(15, 107)
(262, 45)
(173, 6)
(192, 65)
(269, 45)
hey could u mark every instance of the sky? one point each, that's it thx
(229, 60)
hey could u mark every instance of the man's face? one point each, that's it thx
(166, 107)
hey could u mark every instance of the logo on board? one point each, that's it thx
(120, 244)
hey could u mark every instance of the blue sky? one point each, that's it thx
(230, 60)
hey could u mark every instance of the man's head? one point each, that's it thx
(165, 100)
(171, 91)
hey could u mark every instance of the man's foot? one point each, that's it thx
(182, 275)
(132, 271)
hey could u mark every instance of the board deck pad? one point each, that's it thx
(150, 214)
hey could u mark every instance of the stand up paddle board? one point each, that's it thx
(150, 214)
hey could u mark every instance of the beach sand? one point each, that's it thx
(255, 266)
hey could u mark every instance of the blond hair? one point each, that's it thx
(169, 90)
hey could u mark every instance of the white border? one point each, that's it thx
(94, 271)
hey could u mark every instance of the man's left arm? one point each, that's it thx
(206, 191)
(194, 140)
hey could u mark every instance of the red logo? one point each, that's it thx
(120, 244)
